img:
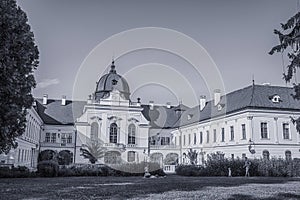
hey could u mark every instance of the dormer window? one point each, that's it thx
(189, 116)
(220, 106)
(275, 98)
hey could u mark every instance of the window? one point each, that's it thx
(189, 139)
(195, 138)
(131, 156)
(286, 131)
(167, 140)
(232, 156)
(175, 140)
(215, 135)
(113, 133)
(19, 155)
(22, 157)
(94, 131)
(288, 155)
(131, 134)
(69, 139)
(223, 134)
(244, 132)
(184, 140)
(53, 138)
(201, 137)
(47, 138)
(180, 140)
(231, 133)
(207, 136)
(266, 155)
(152, 140)
(264, 130)
(162, 141)
(63, 138)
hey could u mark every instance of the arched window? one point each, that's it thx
(131, 134)
(266, 155)
(288, 155)
(131, 156)
(94, 131)
(113, 133)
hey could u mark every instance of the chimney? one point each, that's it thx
(138, 101)
(168, 104)
(202, 102)
(63, 100)
(45, 99)
(151, 104)
(217, 96)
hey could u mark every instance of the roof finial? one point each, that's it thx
(252, 79)
(112, 67)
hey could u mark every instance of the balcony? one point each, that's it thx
(170, 146)
(131, 145)
(115, 146)
(56, 144)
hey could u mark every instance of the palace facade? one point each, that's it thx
(254, 121)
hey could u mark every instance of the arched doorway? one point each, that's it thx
(65, 157)
(157, 157)
(171, 159)
(47, 155)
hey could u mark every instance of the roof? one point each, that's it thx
(56, 114)
(162, 116)
(251, 97)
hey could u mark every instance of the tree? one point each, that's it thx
(289, 39)
(192, 156)
(19, 58)
(93, 151)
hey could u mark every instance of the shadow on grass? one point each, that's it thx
(100, 187)
(279, 196)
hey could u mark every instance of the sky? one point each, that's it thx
(235, 34)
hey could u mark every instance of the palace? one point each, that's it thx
(254, 121)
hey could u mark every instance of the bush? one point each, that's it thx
(48, 168)
(125, 169)
(217, 165)
(16, 172)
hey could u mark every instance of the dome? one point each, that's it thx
(111, 81)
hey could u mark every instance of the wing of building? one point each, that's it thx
(254, 121)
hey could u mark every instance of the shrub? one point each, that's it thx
(125, 169)
(48, 168)
(217, 165)
(16, 172)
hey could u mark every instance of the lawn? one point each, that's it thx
(171, 187)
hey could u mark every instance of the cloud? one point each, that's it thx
(47, 82)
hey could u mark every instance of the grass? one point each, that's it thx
(171, 187)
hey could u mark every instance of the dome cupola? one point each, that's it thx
(111, 81)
